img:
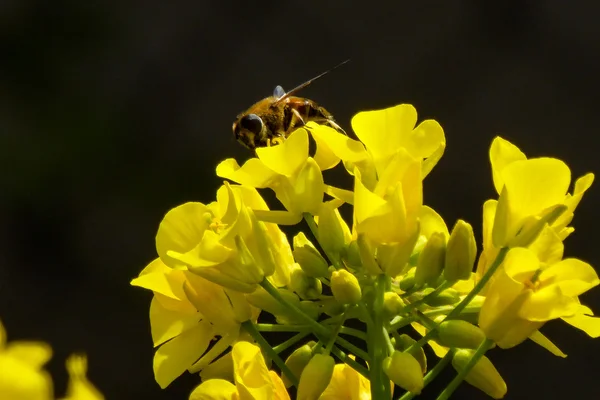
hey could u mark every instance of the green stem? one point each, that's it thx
(269, 351)
(401, 323)
(483, 347)
(445, 285)
(380, 384)
(318, 329)
(281, 328)
(388, 341)
(343, 357)
(352, 348)
(290, 342)
(353, 332)
(465, 302)
(480, 285)
(432, 374)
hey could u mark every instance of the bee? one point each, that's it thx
(271, 120)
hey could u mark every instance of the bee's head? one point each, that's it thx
(247, 130)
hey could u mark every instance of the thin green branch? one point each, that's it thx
(249, 327)
(281, 328)
(290, 342)
(343, 357)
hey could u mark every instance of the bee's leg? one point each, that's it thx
(296, 122)
(331, 123)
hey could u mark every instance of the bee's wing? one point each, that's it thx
(278, 93)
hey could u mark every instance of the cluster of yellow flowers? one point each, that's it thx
(222, 266)
(22, 376)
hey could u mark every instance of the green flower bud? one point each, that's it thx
(315, 377)
(331, 231)
(345, 287)
(404, 342)
(353, 255)
(305, 286)
(392, 304)
(460, 252)
(459, 333)
(260, 298)
(309, 258)
(431, 260)
(245, 268)
(445, 298)
(405, 371)
(297, 361)
(332, 307)
(483, 376)
(414, 257)
(408, 281)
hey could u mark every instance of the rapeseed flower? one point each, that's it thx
(252, 379)
(186, 313)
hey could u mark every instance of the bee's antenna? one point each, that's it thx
(308, 82)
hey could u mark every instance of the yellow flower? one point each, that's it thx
(252, 379)
(526, 293)
(224, 242)
(21, 373)
(347, 384)
(295, 177)
(79, 387)
(186, 313)
(529, 189)
(22, 376)
(383, 133)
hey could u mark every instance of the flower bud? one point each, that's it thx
(408, 281)
(405, 371)
(353, 255)
(483, 376)
(331, 231)
(404, 342)
(315, 377)
(431, 260)
(414, 257)
(305, 286)
(392, 304)
(445, 298)
(332, 307)
(460, 252)
(345, 287)
(309, 258)
(297, 361)
(309, 188)
(459, 333)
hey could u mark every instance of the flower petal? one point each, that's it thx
(181, 230)
(177, 355)
(33, 354)
(18, 380)
(253, 173)
(333, 146)
(384, 131)
(573, 276)
(288, 157)
(546, 343)
(214, 389)
(503, 153)
(165, 323)
(588, 324)
(432, 222)
(251, 374)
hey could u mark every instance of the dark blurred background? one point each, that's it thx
(111, 113)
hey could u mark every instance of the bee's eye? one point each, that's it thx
(252, 122)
